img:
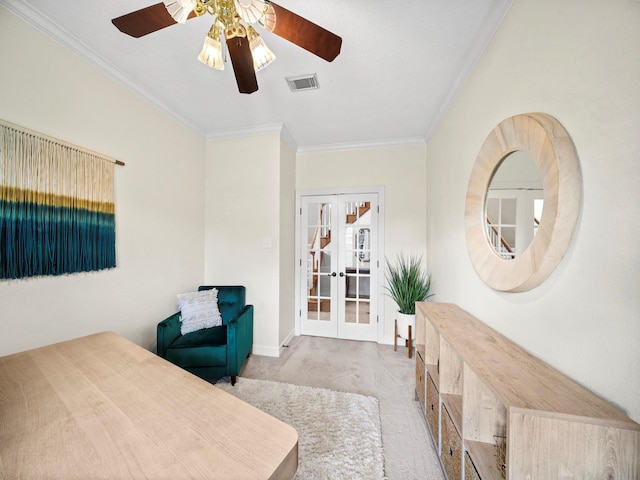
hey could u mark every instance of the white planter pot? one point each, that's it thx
(404, 320)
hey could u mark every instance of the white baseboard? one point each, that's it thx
(265, 351)
(272, 351)
(292, 334)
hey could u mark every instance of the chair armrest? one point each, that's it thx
(239, 339)
(167, 332)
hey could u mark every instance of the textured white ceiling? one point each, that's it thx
(400, 65)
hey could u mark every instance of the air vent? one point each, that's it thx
(303, 82)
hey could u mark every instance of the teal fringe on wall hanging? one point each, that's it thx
(57, 212)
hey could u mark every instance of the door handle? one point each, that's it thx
(342, 274)
(332, 274)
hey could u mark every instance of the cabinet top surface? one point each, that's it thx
(517, 378)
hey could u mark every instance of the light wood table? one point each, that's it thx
(101, 407)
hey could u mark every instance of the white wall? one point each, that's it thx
(401, 170)
(578, 61)
(287, 241)
(159, 197)
(243, 188)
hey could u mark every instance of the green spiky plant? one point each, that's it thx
(407, 283)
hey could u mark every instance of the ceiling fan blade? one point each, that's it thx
(146, 20)
(306, 34)
(242, 64)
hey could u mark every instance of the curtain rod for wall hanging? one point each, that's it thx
(41, 136)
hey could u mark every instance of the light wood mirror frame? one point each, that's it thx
(551, 148)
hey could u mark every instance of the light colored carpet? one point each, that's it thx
(368, 369)
(338, 433)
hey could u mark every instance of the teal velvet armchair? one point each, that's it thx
(211, 352)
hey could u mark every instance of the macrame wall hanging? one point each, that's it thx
(57, 212)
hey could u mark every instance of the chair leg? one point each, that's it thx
(233, 380)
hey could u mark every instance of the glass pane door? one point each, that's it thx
(340, 266)
(358, 221)
(319, 293)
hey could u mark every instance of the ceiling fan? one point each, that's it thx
(234, 20)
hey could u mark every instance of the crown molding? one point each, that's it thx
(245, 131)
(287, 137)
(483, 39)
(341, 147)
(255, 131)
(61, 36)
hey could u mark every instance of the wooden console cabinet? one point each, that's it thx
(495, 411)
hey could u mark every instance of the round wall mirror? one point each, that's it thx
(545, 141)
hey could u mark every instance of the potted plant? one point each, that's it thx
(407, 283)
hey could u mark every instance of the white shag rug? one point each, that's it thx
(338, 433)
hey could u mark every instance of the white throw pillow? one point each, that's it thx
(199, 310)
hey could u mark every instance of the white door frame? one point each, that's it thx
(299, 264)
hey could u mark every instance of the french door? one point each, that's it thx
(339, 266)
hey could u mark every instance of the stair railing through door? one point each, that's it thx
(500, 244)
(322, 234)
(324, 239)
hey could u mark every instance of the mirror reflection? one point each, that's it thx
(514, 205)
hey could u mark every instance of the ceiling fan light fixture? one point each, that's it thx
(250, 10)
(268, 19)
(180, 9)
(262, 55)
(211, 53)
(234, 21)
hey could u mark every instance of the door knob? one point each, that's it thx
(342, 274)
(333, 274)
